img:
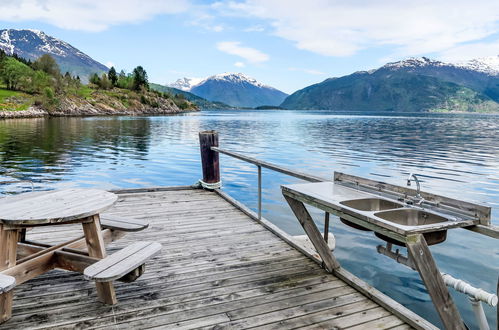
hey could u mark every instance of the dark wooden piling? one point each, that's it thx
(209, 158)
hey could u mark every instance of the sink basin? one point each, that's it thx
(371, 204)
(368, 204)
(410, 217)
(413, 217)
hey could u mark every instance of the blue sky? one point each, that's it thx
(286, 44)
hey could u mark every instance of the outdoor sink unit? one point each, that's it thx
(392, 212)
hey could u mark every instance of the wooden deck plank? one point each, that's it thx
(218, 268)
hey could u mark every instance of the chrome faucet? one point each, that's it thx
(418, 187)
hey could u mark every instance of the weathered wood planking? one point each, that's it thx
(217, 268)
(122, 262)
(122, 223)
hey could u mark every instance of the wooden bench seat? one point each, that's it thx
(122, 224)
(7, 283)
(122, 262)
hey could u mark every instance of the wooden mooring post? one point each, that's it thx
(209, 159)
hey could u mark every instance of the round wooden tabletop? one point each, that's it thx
(56, 206)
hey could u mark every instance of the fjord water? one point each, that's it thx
(457, 156)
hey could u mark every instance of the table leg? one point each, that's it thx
(8, 247)
(313, 233)
(97, 249)
(428, 270)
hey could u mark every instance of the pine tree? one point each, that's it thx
(113, 76)
(140, 78)
(94, 79)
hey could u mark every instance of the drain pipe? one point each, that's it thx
(475, 295)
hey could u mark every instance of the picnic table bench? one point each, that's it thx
(22, 260)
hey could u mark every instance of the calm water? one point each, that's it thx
(457, 154)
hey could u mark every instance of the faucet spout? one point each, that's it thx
(411, 177)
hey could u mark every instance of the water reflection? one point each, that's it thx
(458, 156)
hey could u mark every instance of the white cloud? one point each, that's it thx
(254, 28)
(205, 20)
(343, 28)
(470, 51)
(251, 55)
(110, 64)
(88, 15)
(240, 64)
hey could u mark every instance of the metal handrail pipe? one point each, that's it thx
(270, 166)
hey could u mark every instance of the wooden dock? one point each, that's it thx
(219, 269)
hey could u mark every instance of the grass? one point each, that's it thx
(84, 92)
(14, 101)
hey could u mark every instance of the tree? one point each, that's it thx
(40, 81)
(140, 78)
(46, 63)
(113, 76)
(94, 79)
(15, 74)
(105, 83)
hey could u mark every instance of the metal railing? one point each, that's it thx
(259, 164)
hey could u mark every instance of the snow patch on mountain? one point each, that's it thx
(414, 62)
(488, 65)
(6, 43)
(185, 84)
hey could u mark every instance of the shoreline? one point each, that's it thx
(34, 112)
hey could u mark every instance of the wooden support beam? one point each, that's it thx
(31, 268)
(428, 270)
(313, 233)
(72, 261)
(97, 249)
(8, 246)
(48, 249)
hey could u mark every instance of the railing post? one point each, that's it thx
(259, 192)
(209, 159)
(326, 227)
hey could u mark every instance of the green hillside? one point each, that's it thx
(390, 91)
(199, 101)
(40, 84)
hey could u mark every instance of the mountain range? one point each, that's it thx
(199, 101)
(235, 89)
(412, 85)
(31, 44)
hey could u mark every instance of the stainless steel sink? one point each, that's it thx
(414, 217)
(410, 217)
(371, 204)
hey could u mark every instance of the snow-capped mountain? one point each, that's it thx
(236, 89)
(414, 84)
(487, 65)
(31, 44)
(185, 83)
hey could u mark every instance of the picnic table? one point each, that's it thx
(22, 260)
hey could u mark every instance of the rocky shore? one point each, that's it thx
(102, 105)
